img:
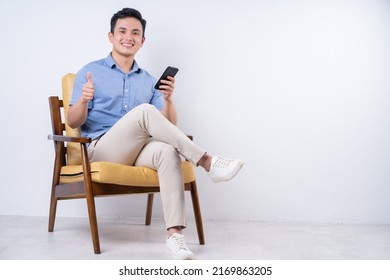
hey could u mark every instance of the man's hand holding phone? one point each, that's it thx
(166, 83)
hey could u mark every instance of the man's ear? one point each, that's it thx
(110, 36)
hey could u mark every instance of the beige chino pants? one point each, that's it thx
(144, 137)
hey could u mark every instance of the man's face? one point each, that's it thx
(127, 38)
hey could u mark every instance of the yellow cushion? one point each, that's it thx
(113, 173)
(73, 149)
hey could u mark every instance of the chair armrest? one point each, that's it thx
(62, 138)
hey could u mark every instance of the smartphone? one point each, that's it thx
(170, 71)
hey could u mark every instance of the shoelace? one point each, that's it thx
(222, 162)
(180, 243)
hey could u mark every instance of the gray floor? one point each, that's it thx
(26, 238)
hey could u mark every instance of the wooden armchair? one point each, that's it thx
(74, 177)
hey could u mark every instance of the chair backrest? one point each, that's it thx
(73, 149)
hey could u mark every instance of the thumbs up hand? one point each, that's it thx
(88, 90)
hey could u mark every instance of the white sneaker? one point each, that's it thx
(177, 247)
(223, 169)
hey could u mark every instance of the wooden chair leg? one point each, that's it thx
(56, 179)
(90, 200)
(93, 224)
(197, 213)
(52, 212)
(149, 209)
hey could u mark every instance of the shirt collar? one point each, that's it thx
(111, 63)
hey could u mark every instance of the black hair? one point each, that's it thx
(125, 13)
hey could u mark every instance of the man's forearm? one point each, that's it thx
(77, 114)
(169, 112)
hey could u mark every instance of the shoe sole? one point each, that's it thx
(238, 168)
(175, 257)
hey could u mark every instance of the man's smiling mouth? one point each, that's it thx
(127, 45)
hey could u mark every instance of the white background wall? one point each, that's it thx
(299, 89)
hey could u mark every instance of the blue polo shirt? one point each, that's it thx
(116, 93)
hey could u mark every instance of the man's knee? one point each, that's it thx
(146, 107)
(169, 153)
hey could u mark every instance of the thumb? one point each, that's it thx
(89, 77)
